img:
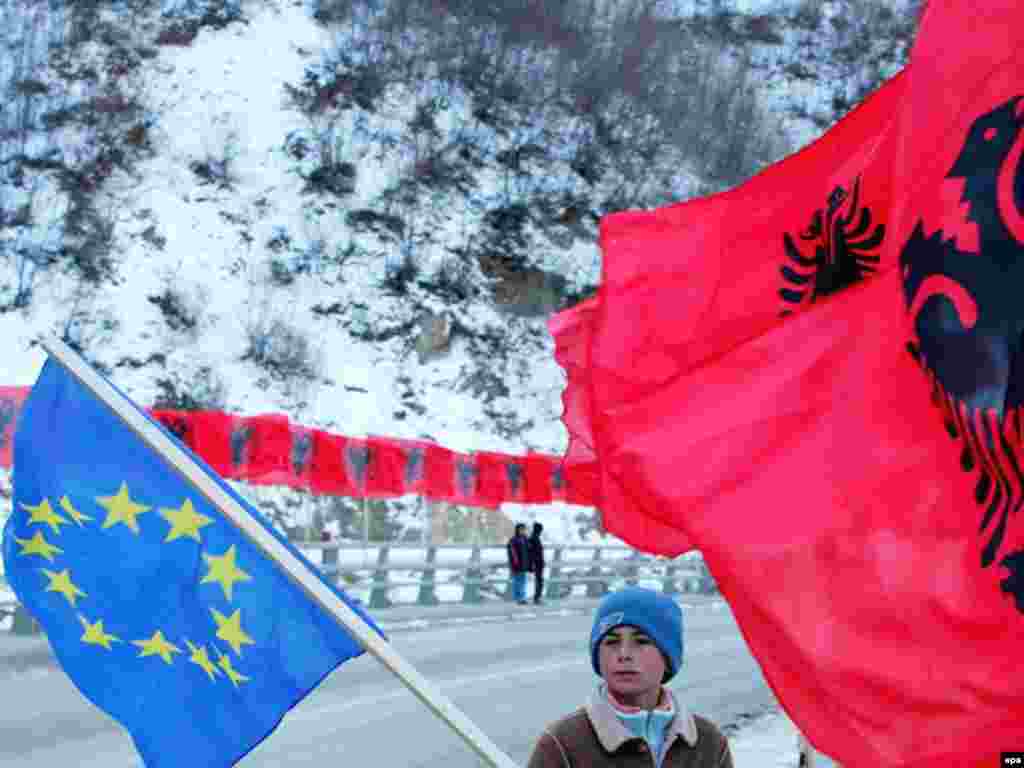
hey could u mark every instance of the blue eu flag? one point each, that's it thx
(162, 613)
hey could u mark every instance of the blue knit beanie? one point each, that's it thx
(657, 615)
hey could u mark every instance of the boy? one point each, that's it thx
(636, 645)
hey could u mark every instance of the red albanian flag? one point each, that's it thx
(685, 283)
(211, 439)
(852, 469)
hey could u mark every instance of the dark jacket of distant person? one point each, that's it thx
(519, 551)
(536, 549)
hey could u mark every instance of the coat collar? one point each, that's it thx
(613, 734)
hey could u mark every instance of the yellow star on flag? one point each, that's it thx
(184, 522)
(233, 674)
(121, 509)
(229, 629)
(201, 659)
(61, 582)
(37, 545)
(43, 514)
(74, 514)
(224, 571)
(157, 645)
(95, 634)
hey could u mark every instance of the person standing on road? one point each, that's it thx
(537, 562)
(519, 563)
(632, 719)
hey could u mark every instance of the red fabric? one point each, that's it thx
(268, 454)
(301, 458)
(465, 481)
(328, 475)
(356, 461)
(803, 454)
(439, 471)
(537, 474)
(572, 331)
(685, 283)
(412, 473)
(269, 450)
(211, 432)
(11, 400)
(496, 481)
(386, 471)
(490, 478)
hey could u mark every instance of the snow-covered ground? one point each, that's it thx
(225, 93)
(224, 97)
(769, 742)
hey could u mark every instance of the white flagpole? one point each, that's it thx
(382, 650)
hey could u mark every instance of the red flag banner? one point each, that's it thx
(578, 477)
(559, 486)
(270, 450)
(465, 481)
(211, 432)
(301, 465)
(356, 460)
(11, 399)
(385, 477)
(439, 473)
(500, 477)
(537, 479)
(816, 380)
(328, 476)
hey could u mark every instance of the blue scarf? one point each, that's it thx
(649, 725)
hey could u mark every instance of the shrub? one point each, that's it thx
(400, 272)
(281, 272)
(180, 35)
(328, 12)
(453, 278)
(218, 167)
(365, 219)
(337, 178)
(337, 82)
(85, 327)
(280, 240)
(89, 242)
(203, 390)
(28, 261)
(283, 351)
(180, 311)
(187, 17)
(312, 258)
(808, 15)
(153, 237)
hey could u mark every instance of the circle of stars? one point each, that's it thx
(184, 523)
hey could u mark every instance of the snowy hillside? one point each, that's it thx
(278, 207)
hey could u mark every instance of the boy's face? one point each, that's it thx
(631, 664)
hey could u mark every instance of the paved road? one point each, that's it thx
(510, 675)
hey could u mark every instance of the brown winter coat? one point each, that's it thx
(594, 737)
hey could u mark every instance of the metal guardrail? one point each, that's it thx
(477, 573)
(485, 571)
